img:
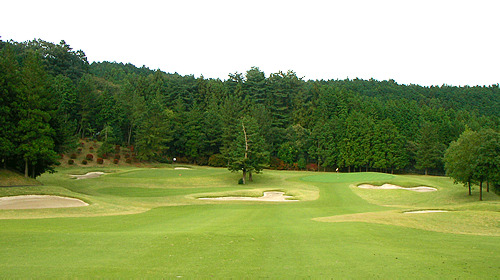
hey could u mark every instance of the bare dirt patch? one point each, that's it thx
(394, 187)
(88, 175)
(268, 196)
(39, 202)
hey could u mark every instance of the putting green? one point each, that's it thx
(354, 177)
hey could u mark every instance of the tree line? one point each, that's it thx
(51, 96)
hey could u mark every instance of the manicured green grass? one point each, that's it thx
(147, 223)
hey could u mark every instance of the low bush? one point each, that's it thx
(202, 161)
(115, 161)
(90, 157)
(106, 148)
(117, 156)
(100, 160)
(71, 162)
(312, 167)
(217, 160)
(84, 162)
(128, 160)
(73, 156)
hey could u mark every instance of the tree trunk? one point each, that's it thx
(481, 190)
(250, 178)
(244, 178)
(33, 172)
(349, 169)
(26, 168)
(470, 192)
(487, 186)
(129, 135)
(426, 171)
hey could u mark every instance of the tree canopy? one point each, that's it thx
(51, 96)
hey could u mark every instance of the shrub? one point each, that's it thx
(91, 148)
(117, 148)
(277, 163)
(202, 161)
(115, 161)
(82, 144)
(73, 156)
(302, 163)
(71, 162)
(100, 160)
(79, 150)
(84, 162)
(90, 157)
(127, 155)
(117, 156)
(240, 181)
(128, 160)
(106, 148)
(104, 156)
(312, 167)
(217, 160)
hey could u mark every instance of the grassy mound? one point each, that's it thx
(11, 178)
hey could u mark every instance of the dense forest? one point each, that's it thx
(51, 96)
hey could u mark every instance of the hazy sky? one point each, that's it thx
(421, 42)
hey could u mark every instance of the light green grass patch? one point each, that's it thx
(459, 222)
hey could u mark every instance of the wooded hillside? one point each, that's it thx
(51, 96)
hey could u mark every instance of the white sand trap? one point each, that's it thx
(268, 196)
(88, 175)
(394, 187)
(39, 202)
(182, 168)
(425, 211)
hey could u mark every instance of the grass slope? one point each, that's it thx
(10, 178)
(173, 235)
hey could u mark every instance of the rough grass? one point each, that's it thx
(171, 234)
(10, 178)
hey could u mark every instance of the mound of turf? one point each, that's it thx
(348, 177)
(10, 178)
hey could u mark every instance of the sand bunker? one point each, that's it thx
(88, 175)
(425, 211)
(268, 196)
(182, 168)
(39, 202)
(394, 187)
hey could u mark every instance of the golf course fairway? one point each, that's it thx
(150, 223)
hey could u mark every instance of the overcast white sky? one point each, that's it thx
(421, 42)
